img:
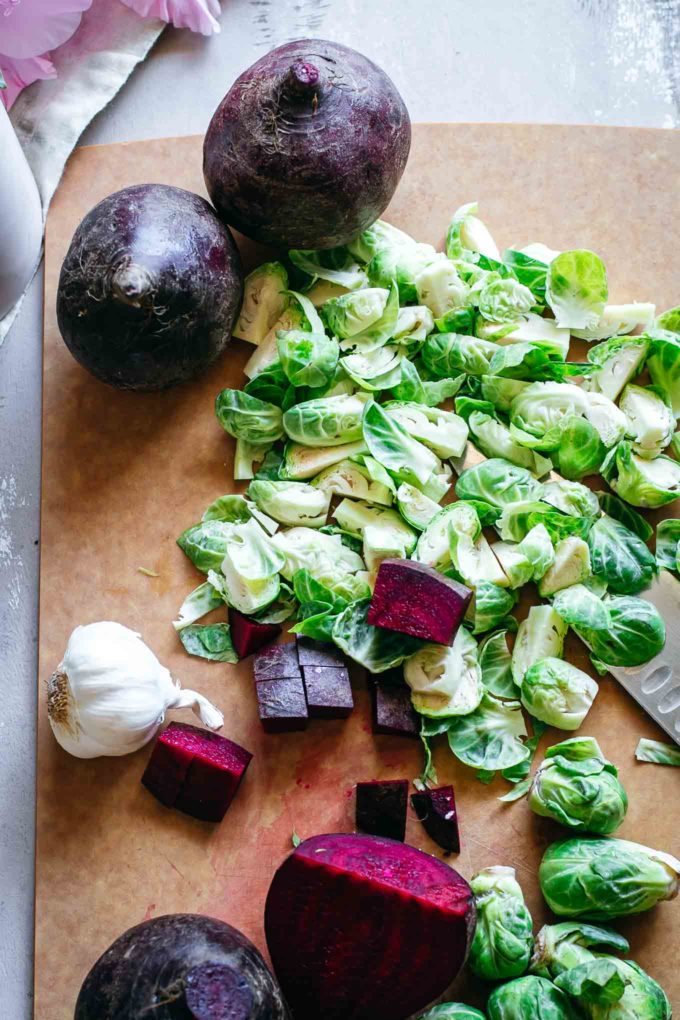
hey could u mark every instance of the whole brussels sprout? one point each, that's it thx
(453, 1011)
(605, 878)
(502, 943)
(529, 998)
(577, 786)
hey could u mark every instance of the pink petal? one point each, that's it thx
(31, 27)
(20, 73)
(198, 15)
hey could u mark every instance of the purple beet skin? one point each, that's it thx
(282, 704)
(381, 808)
(319, 653)
(329, 692)
(195, 771)
(414, 599)
(436, 809)
(248, 635)
(393, 713)
(215, 991)
(276, 662)
(307, 147)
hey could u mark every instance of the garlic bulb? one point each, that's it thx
(110, 694)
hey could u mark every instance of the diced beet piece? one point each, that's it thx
(436, 809)
(195, 771)
(215, 991)
(277, 661)
(414, 599)
(319, 653)
(364, 928)
(329, 692)
(247, 635)
(393, 713)
(381, 808)
(282, 703)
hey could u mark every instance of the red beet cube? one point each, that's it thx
(277, 661)
(282, 704)
(436, 809)
(247, 635)
(195, 771)
(393, 712)
(414, 599)
(319, 653)
(329, 692)
(381, 808)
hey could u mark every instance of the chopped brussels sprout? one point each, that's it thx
(334, 266)
(651, 422)
(448, 354)
(505, 300)
(348, 478)
(354, 516)
(642, 483)
(578, 787)
(307, 359)
(198, 603)
(440, 288)
(494, 439)
(540, 409)
(300, 314)
(529, 559)
(352, 313)
(248, 418)
(491, 737)
(616, 320)
(490, 608)
(576, 289)
(392, 446)
(323, 290)
(415, 507)
(571, 566)
(414, 324)
(503, 940)
(540, 636)
(618, 361)
(498, 483)
(656, 751)
(467, 233)
(582, 608)
(496, 663)
(445, 680)
(668, 545)
(326, 558)
(473, 559)
(374, 648)
(442, 431)
(433, 545)
(291, 503)
(377, 370)
(571, 498)
(265, 299)
(302, 462)
(529, 328)
(558, 693)
(664, 364)
(246, 457)
(620, 511)
(500, 391)
(327, 421)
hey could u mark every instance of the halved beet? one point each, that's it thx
(393, 712)
(319, 653)
(381, 808)
(414, 599)
(275, 662)
(329, 692)
(247, 635)
(282, 704)
(195, 771)
(363, 928)
(436, 809)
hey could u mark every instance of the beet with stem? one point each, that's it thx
(436, 809)
(328, 692)
(276, 662)
(393, 711)
(307, 147)
(381, 808)
(414, 599)
(364, 928)
(247, 635)
(150, 288)
(282, 704)
(195, 771)
(181, 967)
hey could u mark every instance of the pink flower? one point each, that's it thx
(198, 15)
(29, 29)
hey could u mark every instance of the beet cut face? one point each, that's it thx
(414, 599)
(319, 653)
(328, 691)
(282, 704)
(215, 991)
(363, 928)
(381, 808)
(436, 809)
(248, 635)
(275, 662)
(393, 713)
(195, 771)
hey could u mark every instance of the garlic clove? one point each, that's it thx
(204, 709)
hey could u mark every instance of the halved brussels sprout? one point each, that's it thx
(619, 360)
(327, 421)
(617, 320)
(577, 289)
(558, 693)
(571, 566)
(540, 635)
(348, 478)
(301, 462)
(651, 422)
(444, 432)
(265, 299)
(291, 503)
(445, 680)
(415, 507)
(440, 288)
(642, 483)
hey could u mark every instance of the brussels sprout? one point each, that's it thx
(494, 439)
(333, 266)
(606, 878)
(540, 636)
(617, 320)
(668, 544)
(561, 947)
(620, 557)
(654, 751)
(471, 554)
(636, 632)
(265, 298)
(498, 483)
(570, 566)
(431, 393)
(250, 568)
(620, 511)
(529, 328)
(301, 462)
(540, 409)
(445, 680)
(448, 354)
(643, 483)
(352, 313)
(300, 314)
(308, 359)
(291, 502)
(527, 560)
(503, 939)
(580, 607)
(393, 255)
(348, 478)
(415, 507)
(505, 300)
(377, 370)
(571, 498)
(577, 786)
(440, 288)
(198, 603)
(324, 556)
(273, 386)
(558, 693)
(491, 737)
(618, 361)
(433, 545)
(528, 361)
(328, 421)
(664, 364)
(248, 418)
(651, 422)
(501, 392)
(442, 431)
(379, 332)
(414, 324)
(466, 232)
(374, 648)
(453, 1011)
(392, 446)
(458, 320)
(576, 289)
(529, 998)
(490, 607)
(379, 237)
(353, 516)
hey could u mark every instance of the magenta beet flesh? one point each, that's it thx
(328, 691)
(381, 808)
(414, 599)
(436, 809)
(195, 771)
(275, 662)
(364, 928)
(282, 704)
(307, 147)
(248, 635)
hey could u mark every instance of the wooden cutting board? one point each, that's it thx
(124, 474)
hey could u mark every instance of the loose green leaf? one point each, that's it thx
(212, 641)
(656, 752)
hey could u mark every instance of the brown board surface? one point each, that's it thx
(124, 474)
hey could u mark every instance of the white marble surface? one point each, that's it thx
(568, 61)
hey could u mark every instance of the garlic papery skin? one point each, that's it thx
(110, 693)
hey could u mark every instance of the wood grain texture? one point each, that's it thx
(124, 474)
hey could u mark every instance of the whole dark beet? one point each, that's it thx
(150, 288)
(307, 147)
